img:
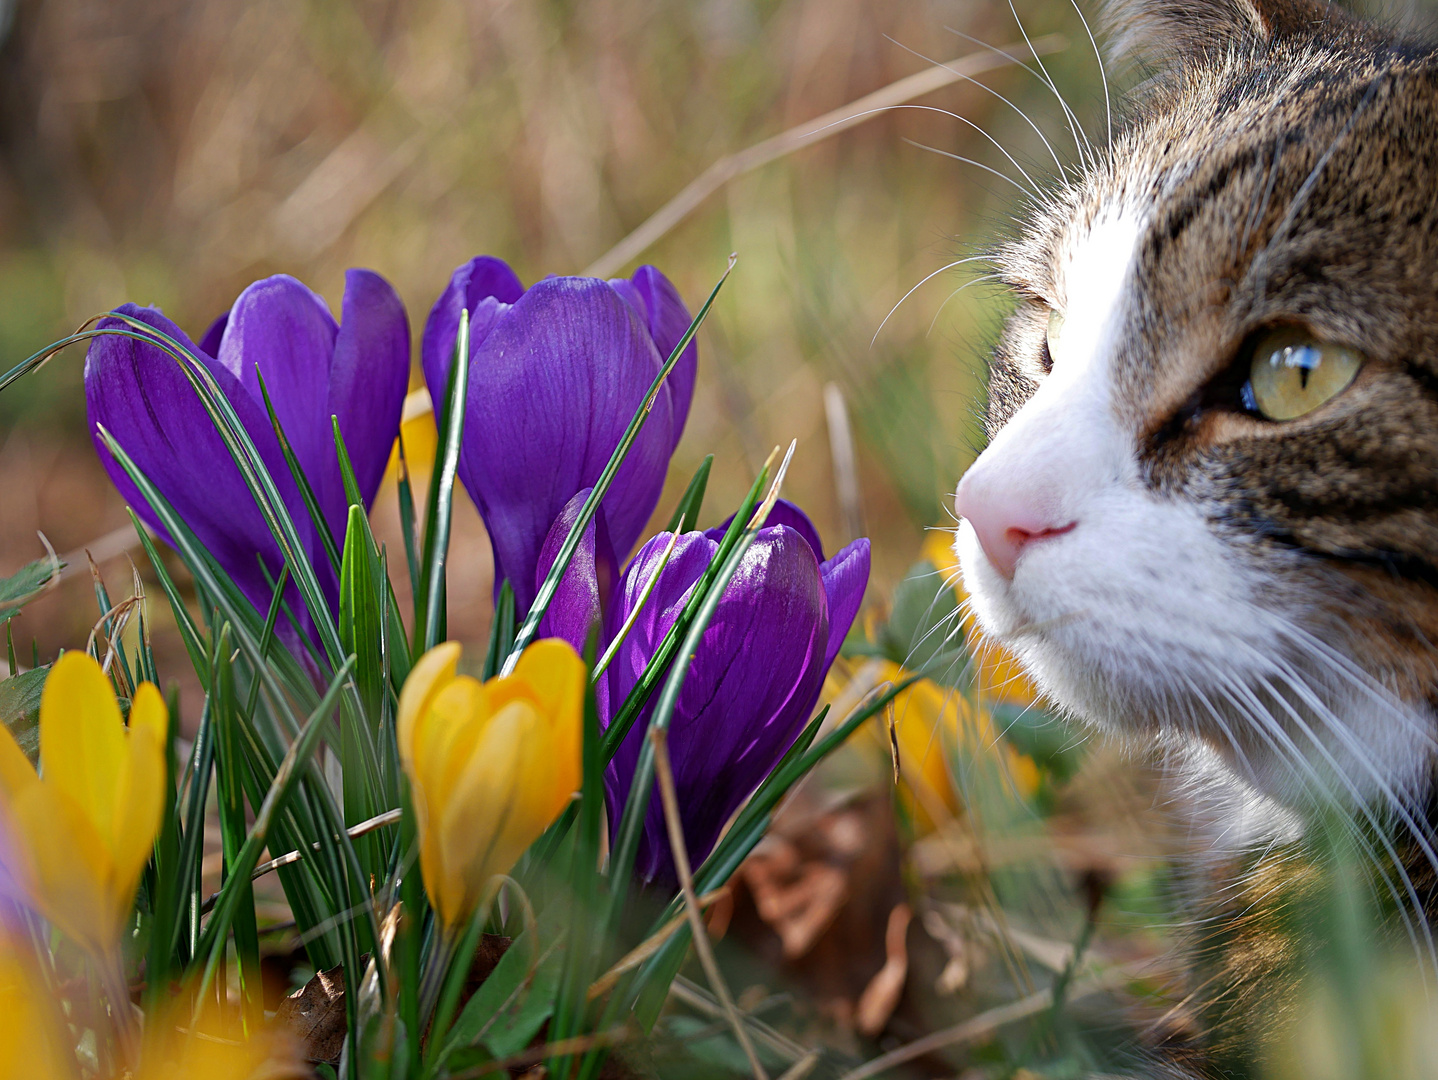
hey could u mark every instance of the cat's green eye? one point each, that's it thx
(1055, 332)
(1292, 374)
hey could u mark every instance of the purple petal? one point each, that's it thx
(587, 584)
(658, 302)
(282, 328)
(552, 388)
(210, 342)
(749, 690)
(368, 377)
(783, 512)
(846, 576)
(486, 286)
(142, 397)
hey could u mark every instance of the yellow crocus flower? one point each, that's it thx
(84, 828)
(930, 722)
(490, 765)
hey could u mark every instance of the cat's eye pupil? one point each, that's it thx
(1292, 374)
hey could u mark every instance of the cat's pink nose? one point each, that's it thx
(1005, 521)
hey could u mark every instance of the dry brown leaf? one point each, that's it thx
(798, 900)
(881, 997)
(315, 1014)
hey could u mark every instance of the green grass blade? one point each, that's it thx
(406, 520)
(166, 897)
(501, 631)
(582, 960)
(212, 941)
(547, 588)
(187, 873)
(686, 514)
(307, 492)
(347, 470)
(229, 788)
(429, 614)
(267, 635)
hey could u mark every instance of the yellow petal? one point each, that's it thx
(16, 772)
(428, 676)
(483, 820)
(141, 797)
(149, 716)
(82, 738)
(72, 872)
(456, 720)
(551, 674)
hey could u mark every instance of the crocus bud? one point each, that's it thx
(755, 676)
(314, 369)
(556, 373)
(82, 832)
(490, 765)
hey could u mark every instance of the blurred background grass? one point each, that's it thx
(169, 153)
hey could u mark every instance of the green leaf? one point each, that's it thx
(501, 631)
(23, 586)
(20, 708)
(429, 616)
(923, 632)
(504, 1014)
(231, 799)
(359, 623)
(687, 512)
(347, 471)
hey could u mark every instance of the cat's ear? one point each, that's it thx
(1160, 32)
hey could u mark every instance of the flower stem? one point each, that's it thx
(441, 954)
(117, 991)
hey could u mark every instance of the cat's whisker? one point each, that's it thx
(1360, 680)
(1360, 805)
(1081, 139)
(926, 279)
(972, 281)
(1068, 113)
(1266, 725)
(1102, 74)
(969, 161)
(982, 86)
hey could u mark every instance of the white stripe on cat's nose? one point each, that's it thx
(1005, 523)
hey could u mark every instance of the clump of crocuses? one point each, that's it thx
(755, 677)
(314, 369)
(556, 372)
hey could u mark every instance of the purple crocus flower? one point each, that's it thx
(755, 677)
(556, 372)
(313, 368)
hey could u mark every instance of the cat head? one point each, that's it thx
(1209, 504)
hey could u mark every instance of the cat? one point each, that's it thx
(1207, 514)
